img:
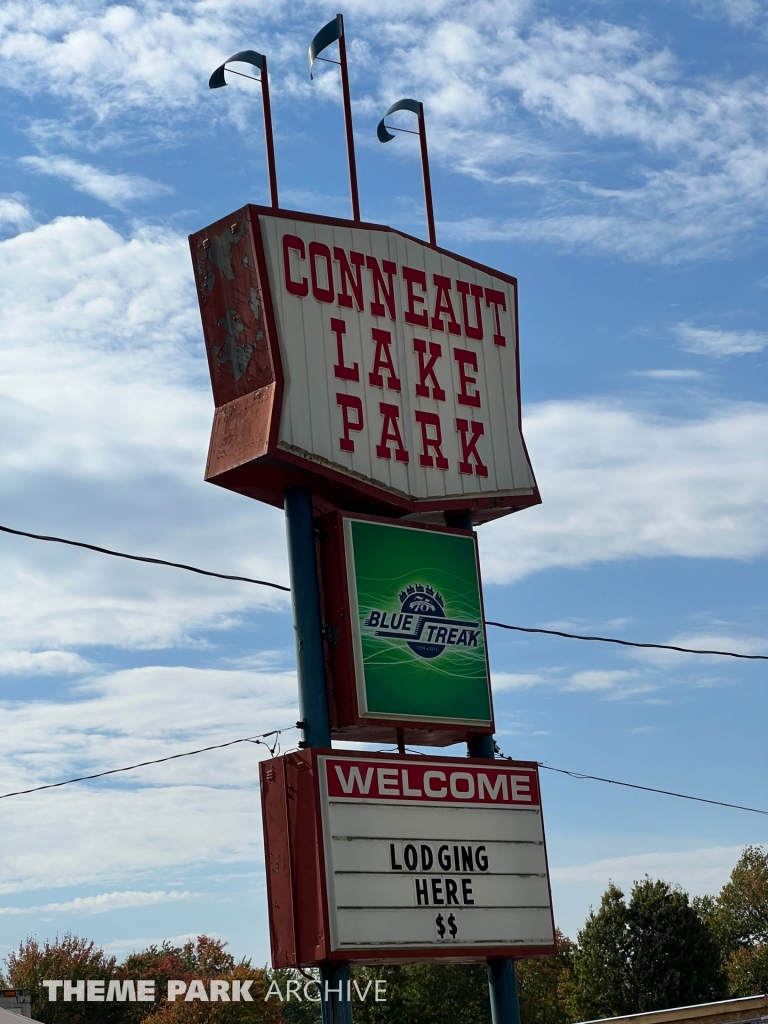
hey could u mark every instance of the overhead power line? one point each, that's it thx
(652, 789)
(628, 643)
(279, 586)
(277, 732)
(158, 760)
(142, 558)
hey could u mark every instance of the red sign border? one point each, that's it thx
(300, 917)
(346, 722)
(267, 470)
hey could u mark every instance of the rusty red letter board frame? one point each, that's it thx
(403, 858)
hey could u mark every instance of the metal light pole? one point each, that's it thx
(383, 130)
(313, 697)
(217, 80)
(328, 34)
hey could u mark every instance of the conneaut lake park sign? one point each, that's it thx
(368, 381)
(380, 369)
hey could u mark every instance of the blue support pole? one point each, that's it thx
(307, 621)
(502, 980)
(313, 697)
(336, 1006)
(502, 983)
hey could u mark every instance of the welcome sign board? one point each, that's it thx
(385, 367)
(404, 604)
(414, 858)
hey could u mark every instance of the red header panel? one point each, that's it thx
(431, 783)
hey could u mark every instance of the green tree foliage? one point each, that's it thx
(68, 957)
(78, 959)
(426, 994)
(651, 953)
(435, 993)
(738, 917)
(545, 986)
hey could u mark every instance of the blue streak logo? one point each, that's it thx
(423, 624)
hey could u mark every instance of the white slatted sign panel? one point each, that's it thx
(400, 362)
(424, 854)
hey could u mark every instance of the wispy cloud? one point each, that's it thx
(113, 189)
(516, 680)
(595, 679)
(703, 869)
(142, 821)
(741, 13)
(113, 361)
(719, 343)
(103, 903)
(619, 482)
(669, 374)
(14, 213)
(43, 663)
(534, 120)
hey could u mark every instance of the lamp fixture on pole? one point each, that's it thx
(217, 80)
(328, 34)
(383, 133)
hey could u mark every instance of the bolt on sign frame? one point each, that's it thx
(405, 640)
(396, 858)
(376, 369)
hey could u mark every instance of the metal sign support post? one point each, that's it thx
(218, 80)
(502, 980)
(313, 700)
(271, 167)
(348, 122)
(427, 179)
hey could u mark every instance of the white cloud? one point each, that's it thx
(515, 680)
(105, 412)
(713, 341)
(742, 13)
(689, 171)
(621, 483)
(576, 887)
(114, 189)
(14, 213)
(668, 374)
(595, 679)
(43, 663)
(121, 948)
(689, 174)
(703, 640)
(103, 903)
(183, 812)
(703, 870)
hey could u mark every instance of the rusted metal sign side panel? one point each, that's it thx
(246, 377)
(307, 873)
(415, 396)
(232, 308)
(346, 721)
(277, 858)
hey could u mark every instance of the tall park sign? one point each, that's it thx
(368, 382)
(380, 368)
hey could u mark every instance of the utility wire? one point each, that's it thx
(142, 558)
(279, 586)
(628, 643)
(652, 789)
(277, 732)
(158, 760)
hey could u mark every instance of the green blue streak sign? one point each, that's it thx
(417, 624)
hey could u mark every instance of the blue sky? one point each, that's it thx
(612, 155)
